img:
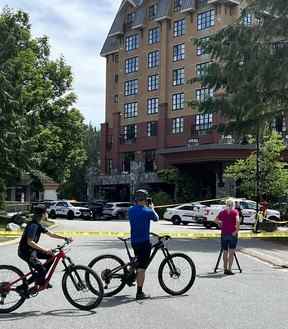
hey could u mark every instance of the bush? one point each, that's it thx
(160, 199)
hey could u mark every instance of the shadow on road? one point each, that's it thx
(56, 313)
(125, 299)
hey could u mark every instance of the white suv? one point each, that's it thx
(117, 210)
(186, 213)
(69, 210)
(248, 209)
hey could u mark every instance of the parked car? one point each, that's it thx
(186, 213)
(97, 208)
(69, 210)
(248, 208)
(117, 210)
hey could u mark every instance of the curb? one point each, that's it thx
(16, 240)
(272, 260)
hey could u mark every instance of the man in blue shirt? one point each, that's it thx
(140, 216)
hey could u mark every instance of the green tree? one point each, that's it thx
(76, 187)
(39, 129)
(273, 174)
(249, 69)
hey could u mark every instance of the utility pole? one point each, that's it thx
(257, 177)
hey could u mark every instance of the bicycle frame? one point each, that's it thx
(56, 259)
(132, 260)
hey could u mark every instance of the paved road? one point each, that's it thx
(256, 299)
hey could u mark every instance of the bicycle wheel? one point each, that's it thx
(176, 274)
(10, 299)
(104, 265)
(77, 289)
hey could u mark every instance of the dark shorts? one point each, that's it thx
(33, 260)
(142, 251)
(228, 242)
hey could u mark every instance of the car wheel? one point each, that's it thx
(207, 225)
(70, 215)
(121, 216)
(52, 214)
(185, 223)
(176, 220)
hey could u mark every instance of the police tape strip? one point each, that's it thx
(179, 235)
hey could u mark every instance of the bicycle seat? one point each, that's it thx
(123, 239)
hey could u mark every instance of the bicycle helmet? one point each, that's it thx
(141, 195)
(39, 210)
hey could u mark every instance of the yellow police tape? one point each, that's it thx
(179, 235)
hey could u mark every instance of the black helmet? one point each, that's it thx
(39, 209)
(141, 195)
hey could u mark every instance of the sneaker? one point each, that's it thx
(227, 272)
(141, 296)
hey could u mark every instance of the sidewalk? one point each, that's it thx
(274, 252)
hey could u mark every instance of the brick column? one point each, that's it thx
(163, 130)
(116, 141)
(103, 147)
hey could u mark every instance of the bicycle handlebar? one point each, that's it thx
(164, 237)
(61, 247)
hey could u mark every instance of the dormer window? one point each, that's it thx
(130, 18)
(178, 5)
(153, 11)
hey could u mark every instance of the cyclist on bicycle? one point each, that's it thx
(31, 252)
(139, 217)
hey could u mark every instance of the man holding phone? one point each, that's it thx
(140, 216)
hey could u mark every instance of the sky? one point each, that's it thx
(77, 30)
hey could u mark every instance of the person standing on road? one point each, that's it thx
(228, 221)
(140, 216)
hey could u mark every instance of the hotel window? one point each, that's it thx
(153, 11)
(131, 65)
(154, 36)
(126, 159)
(152, 127)
(202, 3)
(179, 52)
(129, 132)
(154, 59)
(178, 102)
(200, 51)
(132, 42)
(206, 20)
(177, 126)
(109, 166)
(201, 69)
(130, 110)
(179, 27)
(178, 77)
(153, 82)
(152, 105)
(248, 20)
(131, 87)
(130, 18)
(150, 161)
(203, 94)
(204, 121)
(177, 6)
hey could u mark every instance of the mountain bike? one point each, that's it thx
(81, 286)
(176, 273)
